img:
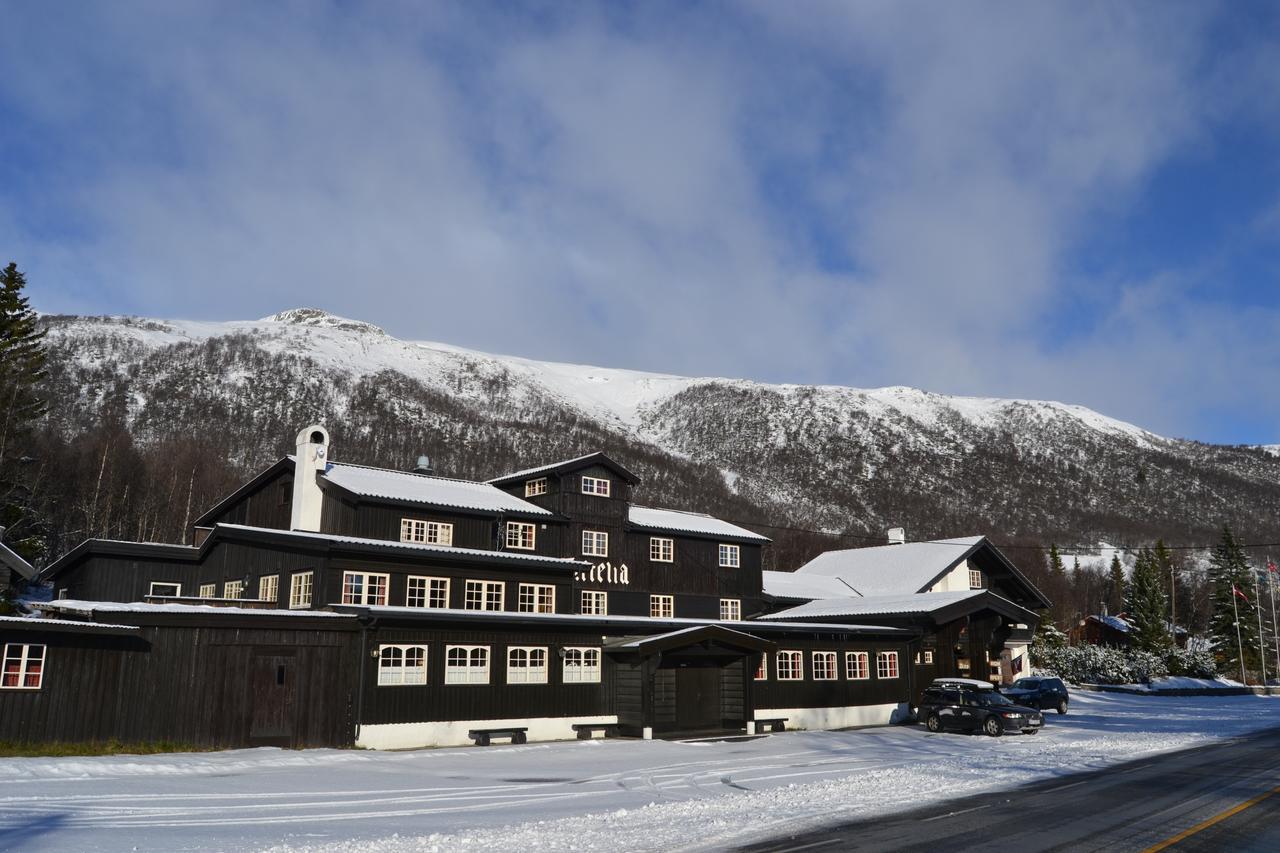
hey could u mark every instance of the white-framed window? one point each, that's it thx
(790, 666)
(762, 671)
(521, 535)
(595, 603)
(484, 595)
(164, 589)
(426, 532)
(857, 666)
(928, 656)
(364, 588)
(661, 549)
(886, 664)
(269, 588)
(824, 666)
(730, 556)
(595, 543)
(402, 665)
(662, 606)
(466, 665)
(533, 488)
(23, 666)
(581, 666)
(975, 579)
(300, 589)
(527, 665)
(595, 486)
(730, 609)
(427, 592)
(233, 589)
(208, 590)
(537, 598)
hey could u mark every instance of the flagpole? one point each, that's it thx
(1262, 649)
(1235, 610)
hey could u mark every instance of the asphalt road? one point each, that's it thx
(1224, 797)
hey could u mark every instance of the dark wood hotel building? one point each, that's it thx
(327, 604)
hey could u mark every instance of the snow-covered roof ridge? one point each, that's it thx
(428, 489)
(538, 469)
(43, 621)
(688, 522)
(891, 569)
(71, 605)
(880, 605)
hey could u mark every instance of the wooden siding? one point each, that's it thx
(188, 685)
(496, 700)
(807, 693)
(263, 506)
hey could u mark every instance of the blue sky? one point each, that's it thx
(1077, 202)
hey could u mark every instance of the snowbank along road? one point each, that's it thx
(584, 796)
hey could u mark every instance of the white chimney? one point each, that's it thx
(897, 536)
(311, 459)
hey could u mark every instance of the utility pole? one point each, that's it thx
(1235, 611)
(1262, 650)
(1275, 629)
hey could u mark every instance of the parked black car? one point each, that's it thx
(1042, 693)
(967, 708)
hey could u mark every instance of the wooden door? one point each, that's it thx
(698, 698)
(273, 682)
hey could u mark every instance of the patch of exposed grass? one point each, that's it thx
(15, 749)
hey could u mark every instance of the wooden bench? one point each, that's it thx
(585, 730)
(773, 724)
(482, 736)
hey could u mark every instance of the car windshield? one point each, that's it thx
(992, 698)
(1026, 684)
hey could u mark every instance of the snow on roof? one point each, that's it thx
(408, 546)
(891, 569)
(75, 606)
(426, 489)
(56, 623)
(1113, 622)
(428, 613)
(688, 522)
(878, 605)
(793, 585)
(528, 472)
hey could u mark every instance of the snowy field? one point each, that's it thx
(580, 795)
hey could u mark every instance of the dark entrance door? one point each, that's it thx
(273, 682)
(698, 697)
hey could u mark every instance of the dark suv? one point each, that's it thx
(966, 708)
(1043, 693)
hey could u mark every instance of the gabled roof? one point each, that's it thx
(941, 606)
(912, 567)
(15, 563)
(688, 522)
(426, 490)
(805, 587)
(685, 637)
(597, 458)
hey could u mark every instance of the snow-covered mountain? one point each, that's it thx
(814, 457)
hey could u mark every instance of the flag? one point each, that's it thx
(1235, 590)
(1271, 567)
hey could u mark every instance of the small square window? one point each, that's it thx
(595, 543)
(790, 666)
(427, 592)
(824, 666)
(887, 665)
(857, 666)
(269, 588)
(661, 549)
(537, 598)
(484, 595)
(23, 666)
(533, 488)
(975, 579)
(402, 665)
(730, 556)
(730, 609)
(595, 603)
(232, 589)
(581, 666)
(300, 590)
(527, 665)
(466, 665)
(662, 606)
(520, 535)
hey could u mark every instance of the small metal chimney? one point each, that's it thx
(423, 466)
(897, 536)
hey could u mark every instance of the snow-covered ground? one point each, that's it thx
(581, 795)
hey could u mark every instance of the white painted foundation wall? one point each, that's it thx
(841, 717)
(454, 732)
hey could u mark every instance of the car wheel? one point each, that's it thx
(933, 723)
(1062, 706)
(993, 726)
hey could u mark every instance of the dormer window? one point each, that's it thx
(532, 488)
(975, 579)
(595, 486)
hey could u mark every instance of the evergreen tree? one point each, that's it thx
(22, 362)
(1056, 568)
(1117, 588)
(1147, 607)
(1229, 571)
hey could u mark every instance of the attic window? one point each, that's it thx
(533, 488)
(595, 486)
(975, 579)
